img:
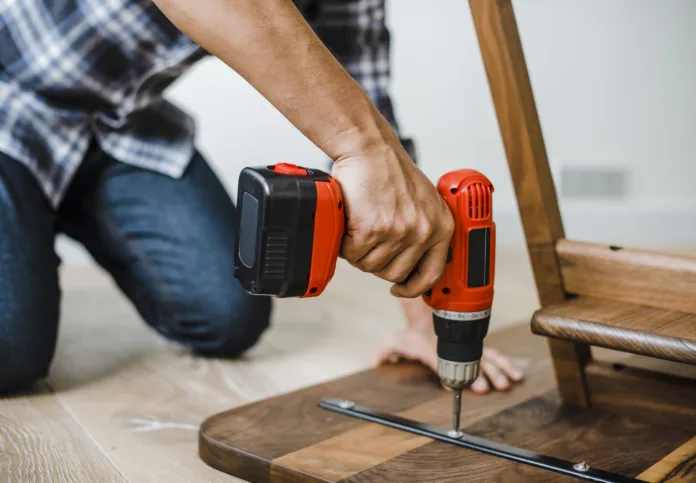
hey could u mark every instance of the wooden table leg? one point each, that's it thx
(512, 94)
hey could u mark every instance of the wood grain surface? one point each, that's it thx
(640, 277)
(677, 467)
(664, 398)
(511, 90)
(371, 445)
(319, 446)
(621, 326)
(603, 440)
(364, 452)
(41, 441)
(237, 441)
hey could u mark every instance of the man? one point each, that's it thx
(89, 148)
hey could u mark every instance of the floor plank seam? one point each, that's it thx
(89, 434)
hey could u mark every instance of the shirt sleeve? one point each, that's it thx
(355, 31)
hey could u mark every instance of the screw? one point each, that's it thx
(346, 404)
(453, 433)
(583, 467)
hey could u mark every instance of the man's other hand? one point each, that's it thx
(398, 226)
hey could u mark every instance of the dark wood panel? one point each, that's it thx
(635, 276)
(245, 440)
(369, 445)
(513, 98)
(288, 439)
(287, 429)
(621, 326)
(602, 439)
(647, 395)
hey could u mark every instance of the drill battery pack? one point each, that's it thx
(290, 230)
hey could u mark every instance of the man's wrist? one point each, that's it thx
(421, 325)
(371, 134)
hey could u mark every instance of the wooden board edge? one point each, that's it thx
(223, 458)
(589, 332)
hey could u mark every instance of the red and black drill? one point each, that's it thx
(290, 230)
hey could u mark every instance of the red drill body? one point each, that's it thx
(467, 285)
(462, 300)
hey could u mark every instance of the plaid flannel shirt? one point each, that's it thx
(77, 71)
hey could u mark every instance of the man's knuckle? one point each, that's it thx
(396, 275)
(394, 279)
(400, 231)
(369, 266)
(425, 230)
(448, 226)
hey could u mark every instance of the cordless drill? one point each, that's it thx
(290, 230)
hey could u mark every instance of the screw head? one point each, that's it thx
(583, 467)
(346, 404)
(454, 434)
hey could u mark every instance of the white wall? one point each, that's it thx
(614, 83)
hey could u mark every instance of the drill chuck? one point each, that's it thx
(457, 375)
(460, 345)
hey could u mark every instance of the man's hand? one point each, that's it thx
(497, 371)
(398, 226)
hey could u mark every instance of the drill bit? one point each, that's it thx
(456, 409)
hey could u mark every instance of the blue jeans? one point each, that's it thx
(167, 243)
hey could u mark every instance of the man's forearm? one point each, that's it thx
(269, 43)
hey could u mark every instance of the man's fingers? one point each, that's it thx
(381, 256)
(428, 272)
(386, 356)
(504, 363)
(402, 266)
(480, 385)
(390, 249)
(495, 375)
(354, 249)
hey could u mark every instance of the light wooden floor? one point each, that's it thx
(123, 405)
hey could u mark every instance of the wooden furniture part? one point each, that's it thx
(290, 439)
(628, 300)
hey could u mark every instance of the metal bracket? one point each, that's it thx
(579, 470)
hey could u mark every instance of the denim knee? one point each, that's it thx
(26, 353)
(224, 322)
